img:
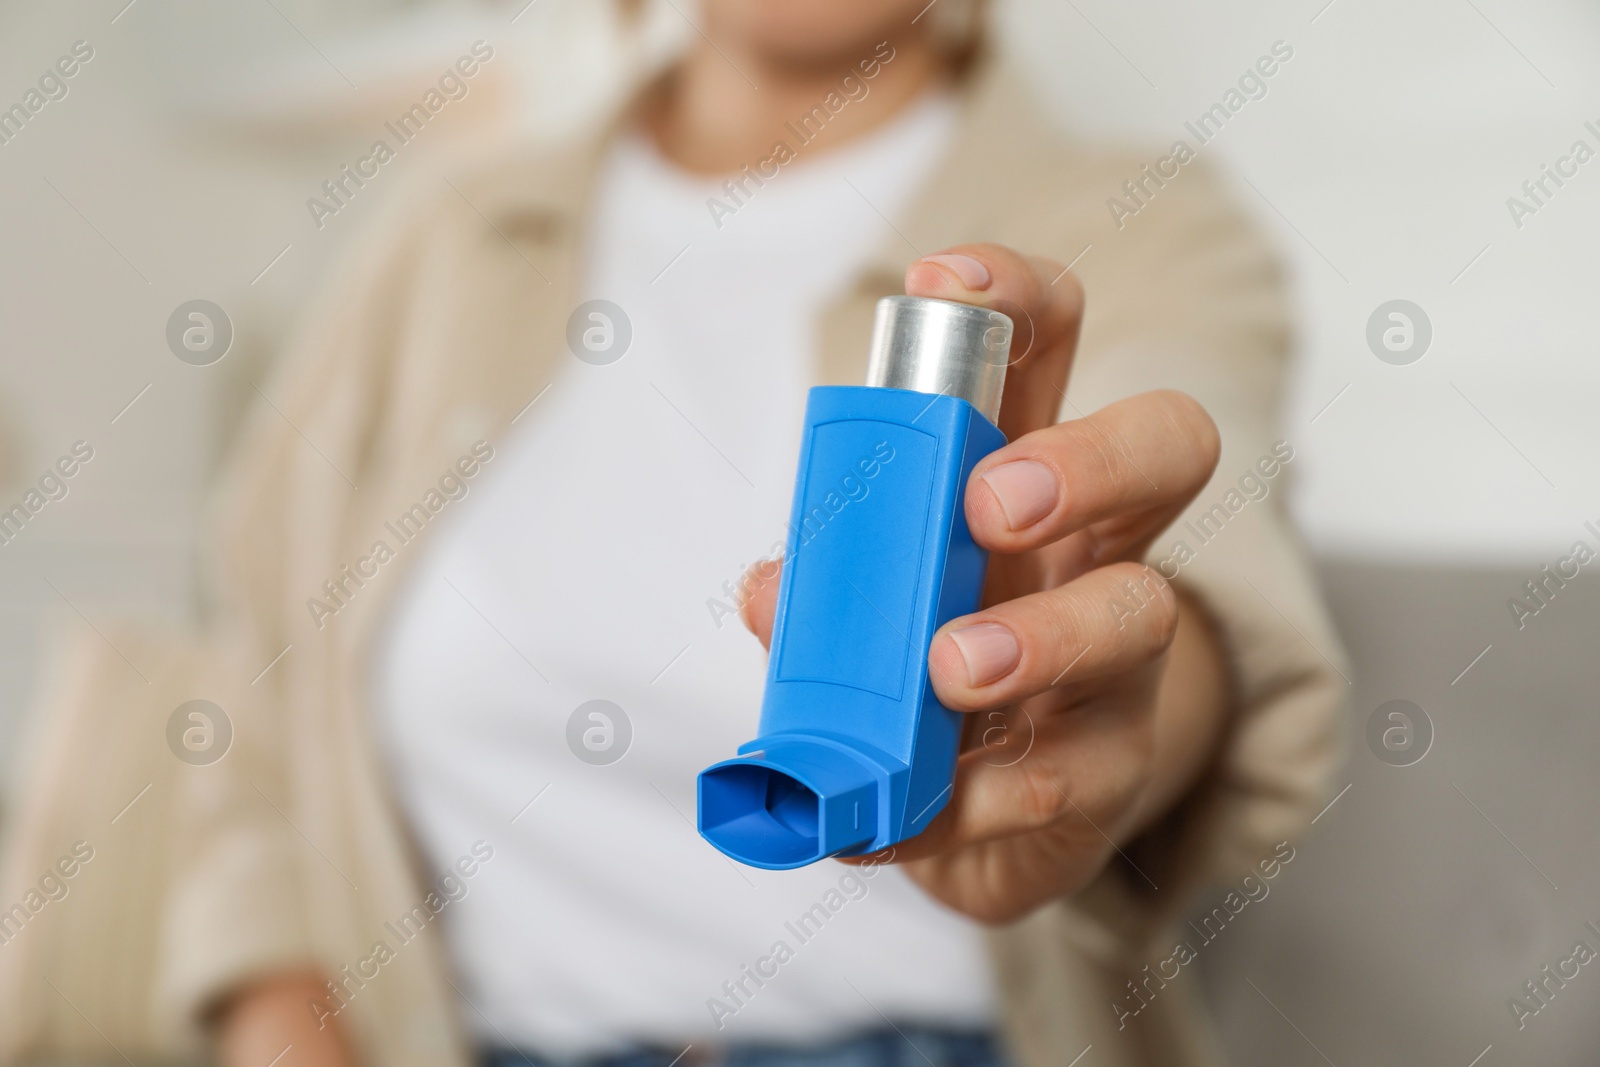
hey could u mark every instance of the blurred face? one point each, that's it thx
(809, 32)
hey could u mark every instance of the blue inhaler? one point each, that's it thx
(854, 751)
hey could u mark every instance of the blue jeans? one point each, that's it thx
(909, 1046)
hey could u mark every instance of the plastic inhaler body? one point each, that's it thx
(855, 753)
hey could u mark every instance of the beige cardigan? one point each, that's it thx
(291, 850)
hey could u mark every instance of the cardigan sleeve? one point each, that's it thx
(246, 868)
(1188, 296)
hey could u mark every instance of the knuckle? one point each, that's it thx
(1068, 284)
(1040, 803)
(1073, 614)
(1195, 427)
(1164, 603)
(991, 909)
(1141, 600)
(1097, 448)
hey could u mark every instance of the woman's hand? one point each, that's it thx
(272, 1022)
(1096, 694)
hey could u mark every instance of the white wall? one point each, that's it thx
(1390, 143)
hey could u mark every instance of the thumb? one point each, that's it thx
(761, 598)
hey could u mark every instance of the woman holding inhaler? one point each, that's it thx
(1146, 724)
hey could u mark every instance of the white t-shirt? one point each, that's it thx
(580, 568)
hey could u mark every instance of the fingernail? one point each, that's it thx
(990, 650)
(973, 275)
(1026, 489)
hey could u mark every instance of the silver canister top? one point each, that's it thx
(942, 348)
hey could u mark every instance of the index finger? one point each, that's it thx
(1045, 303)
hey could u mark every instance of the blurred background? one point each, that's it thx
(1432, 484)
